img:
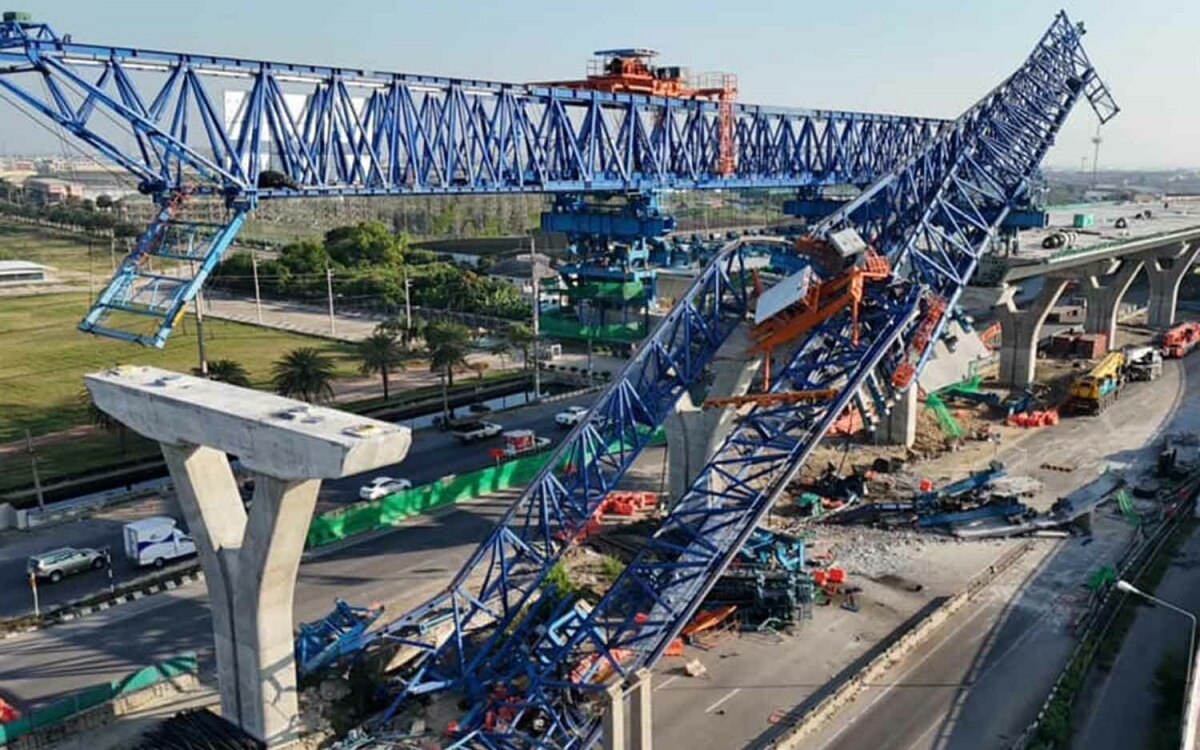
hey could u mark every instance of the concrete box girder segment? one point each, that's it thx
(250, 559)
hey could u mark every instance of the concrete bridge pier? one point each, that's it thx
(1020, 330)
(900, 425)
(694, 433)
(250, 559)
(1166, 269)
(1104, 289)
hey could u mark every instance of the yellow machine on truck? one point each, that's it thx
(1093, 392)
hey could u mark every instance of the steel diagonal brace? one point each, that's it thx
(723, 306)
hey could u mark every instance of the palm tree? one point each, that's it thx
(380, 353)
(501, 348)
(521, 337)
(227, 371)
(304, 373)
(447, 345)
(399, 327)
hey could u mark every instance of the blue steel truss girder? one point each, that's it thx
(945, 207)
(169, 119)
(506, 571)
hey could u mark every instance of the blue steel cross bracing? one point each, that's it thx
(212, 124)
(250, 130)
(943, 208)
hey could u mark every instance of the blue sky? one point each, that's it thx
(930, 57)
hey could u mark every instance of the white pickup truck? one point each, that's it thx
(469, 433)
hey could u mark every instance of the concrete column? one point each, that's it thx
(693, 433)
(1020, 330)
(250, 565)
(1104, 293)
(1166, 269)
(614, 717)
(250, 560)
(639, 713)
(900, 425)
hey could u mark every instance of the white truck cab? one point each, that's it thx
(156, 541)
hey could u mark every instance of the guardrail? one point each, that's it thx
(1053, 718)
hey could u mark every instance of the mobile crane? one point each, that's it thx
(1092, 393)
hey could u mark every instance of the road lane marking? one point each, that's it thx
(724, 698)
(666, 682)
(866, 708)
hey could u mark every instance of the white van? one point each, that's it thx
(156, 541)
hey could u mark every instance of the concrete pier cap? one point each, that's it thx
(272, 435)
(250, 557)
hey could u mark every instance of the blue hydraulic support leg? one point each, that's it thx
(187, 254)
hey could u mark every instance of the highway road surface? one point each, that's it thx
(976, 685)
(433, 455)
(982, 678)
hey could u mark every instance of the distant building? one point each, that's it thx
(15, 272)
(518, 271)
(49, 190)
(471, 251)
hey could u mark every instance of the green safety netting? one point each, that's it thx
(608, 290)
(970, 385)
(568, 327)
(944, 416)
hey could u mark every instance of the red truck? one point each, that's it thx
(1180, 340)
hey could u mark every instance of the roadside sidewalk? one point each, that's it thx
(1121, 710)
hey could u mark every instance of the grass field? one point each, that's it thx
(43, 358)
(62, 250)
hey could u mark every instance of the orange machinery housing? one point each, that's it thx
(1180, 340)
(629, 71)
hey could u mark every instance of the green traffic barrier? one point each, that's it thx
(59, 711)
(361, 518)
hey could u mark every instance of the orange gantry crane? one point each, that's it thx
(629, 71)
(819, 303)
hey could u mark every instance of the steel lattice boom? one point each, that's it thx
(213, 124)
(251, 130)
(932, 220)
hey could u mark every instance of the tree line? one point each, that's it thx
(369, 265)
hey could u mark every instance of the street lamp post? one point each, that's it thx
(1188, 730)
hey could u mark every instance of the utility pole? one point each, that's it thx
(257, 296)
(37, 610)
(112, 253)
(537, 366)
(329, 290)
(91, 275)
(407, 304)
(200, 335)
(37, 478)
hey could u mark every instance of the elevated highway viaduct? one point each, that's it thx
(1104, 260)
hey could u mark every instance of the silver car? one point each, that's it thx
(56, 565)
